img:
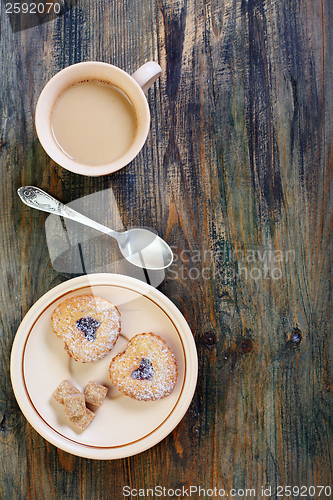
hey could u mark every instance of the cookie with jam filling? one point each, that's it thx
(146, 370)
(88, 325)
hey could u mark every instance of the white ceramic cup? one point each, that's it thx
(133, 86)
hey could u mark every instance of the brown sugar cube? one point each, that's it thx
(64, 390)
(95, 393)
(75, 405)
(84, 421)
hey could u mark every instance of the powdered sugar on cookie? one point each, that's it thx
(88, 325)
(146, 370)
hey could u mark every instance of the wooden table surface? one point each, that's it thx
(236, 175)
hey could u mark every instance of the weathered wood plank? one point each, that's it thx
(275, 158)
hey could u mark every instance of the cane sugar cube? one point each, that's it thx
(95, 393)
(75, 405)
(83, 421)
(64, 390)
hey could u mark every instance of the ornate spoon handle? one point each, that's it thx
(36, 198)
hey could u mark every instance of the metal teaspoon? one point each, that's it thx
(139, 246)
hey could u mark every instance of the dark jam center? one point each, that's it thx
(88, 326)
(145, 370)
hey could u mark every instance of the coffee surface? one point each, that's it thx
(94, 123)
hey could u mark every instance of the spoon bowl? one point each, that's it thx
(140, 246)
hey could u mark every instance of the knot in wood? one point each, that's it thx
(296, 337)
(209, 339)
(246, 345)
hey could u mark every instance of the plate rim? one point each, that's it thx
(89, 451)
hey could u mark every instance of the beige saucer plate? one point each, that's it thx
(122, 426)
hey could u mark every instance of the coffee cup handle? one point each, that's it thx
(147, 74)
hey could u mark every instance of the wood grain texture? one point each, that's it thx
(236, 175)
